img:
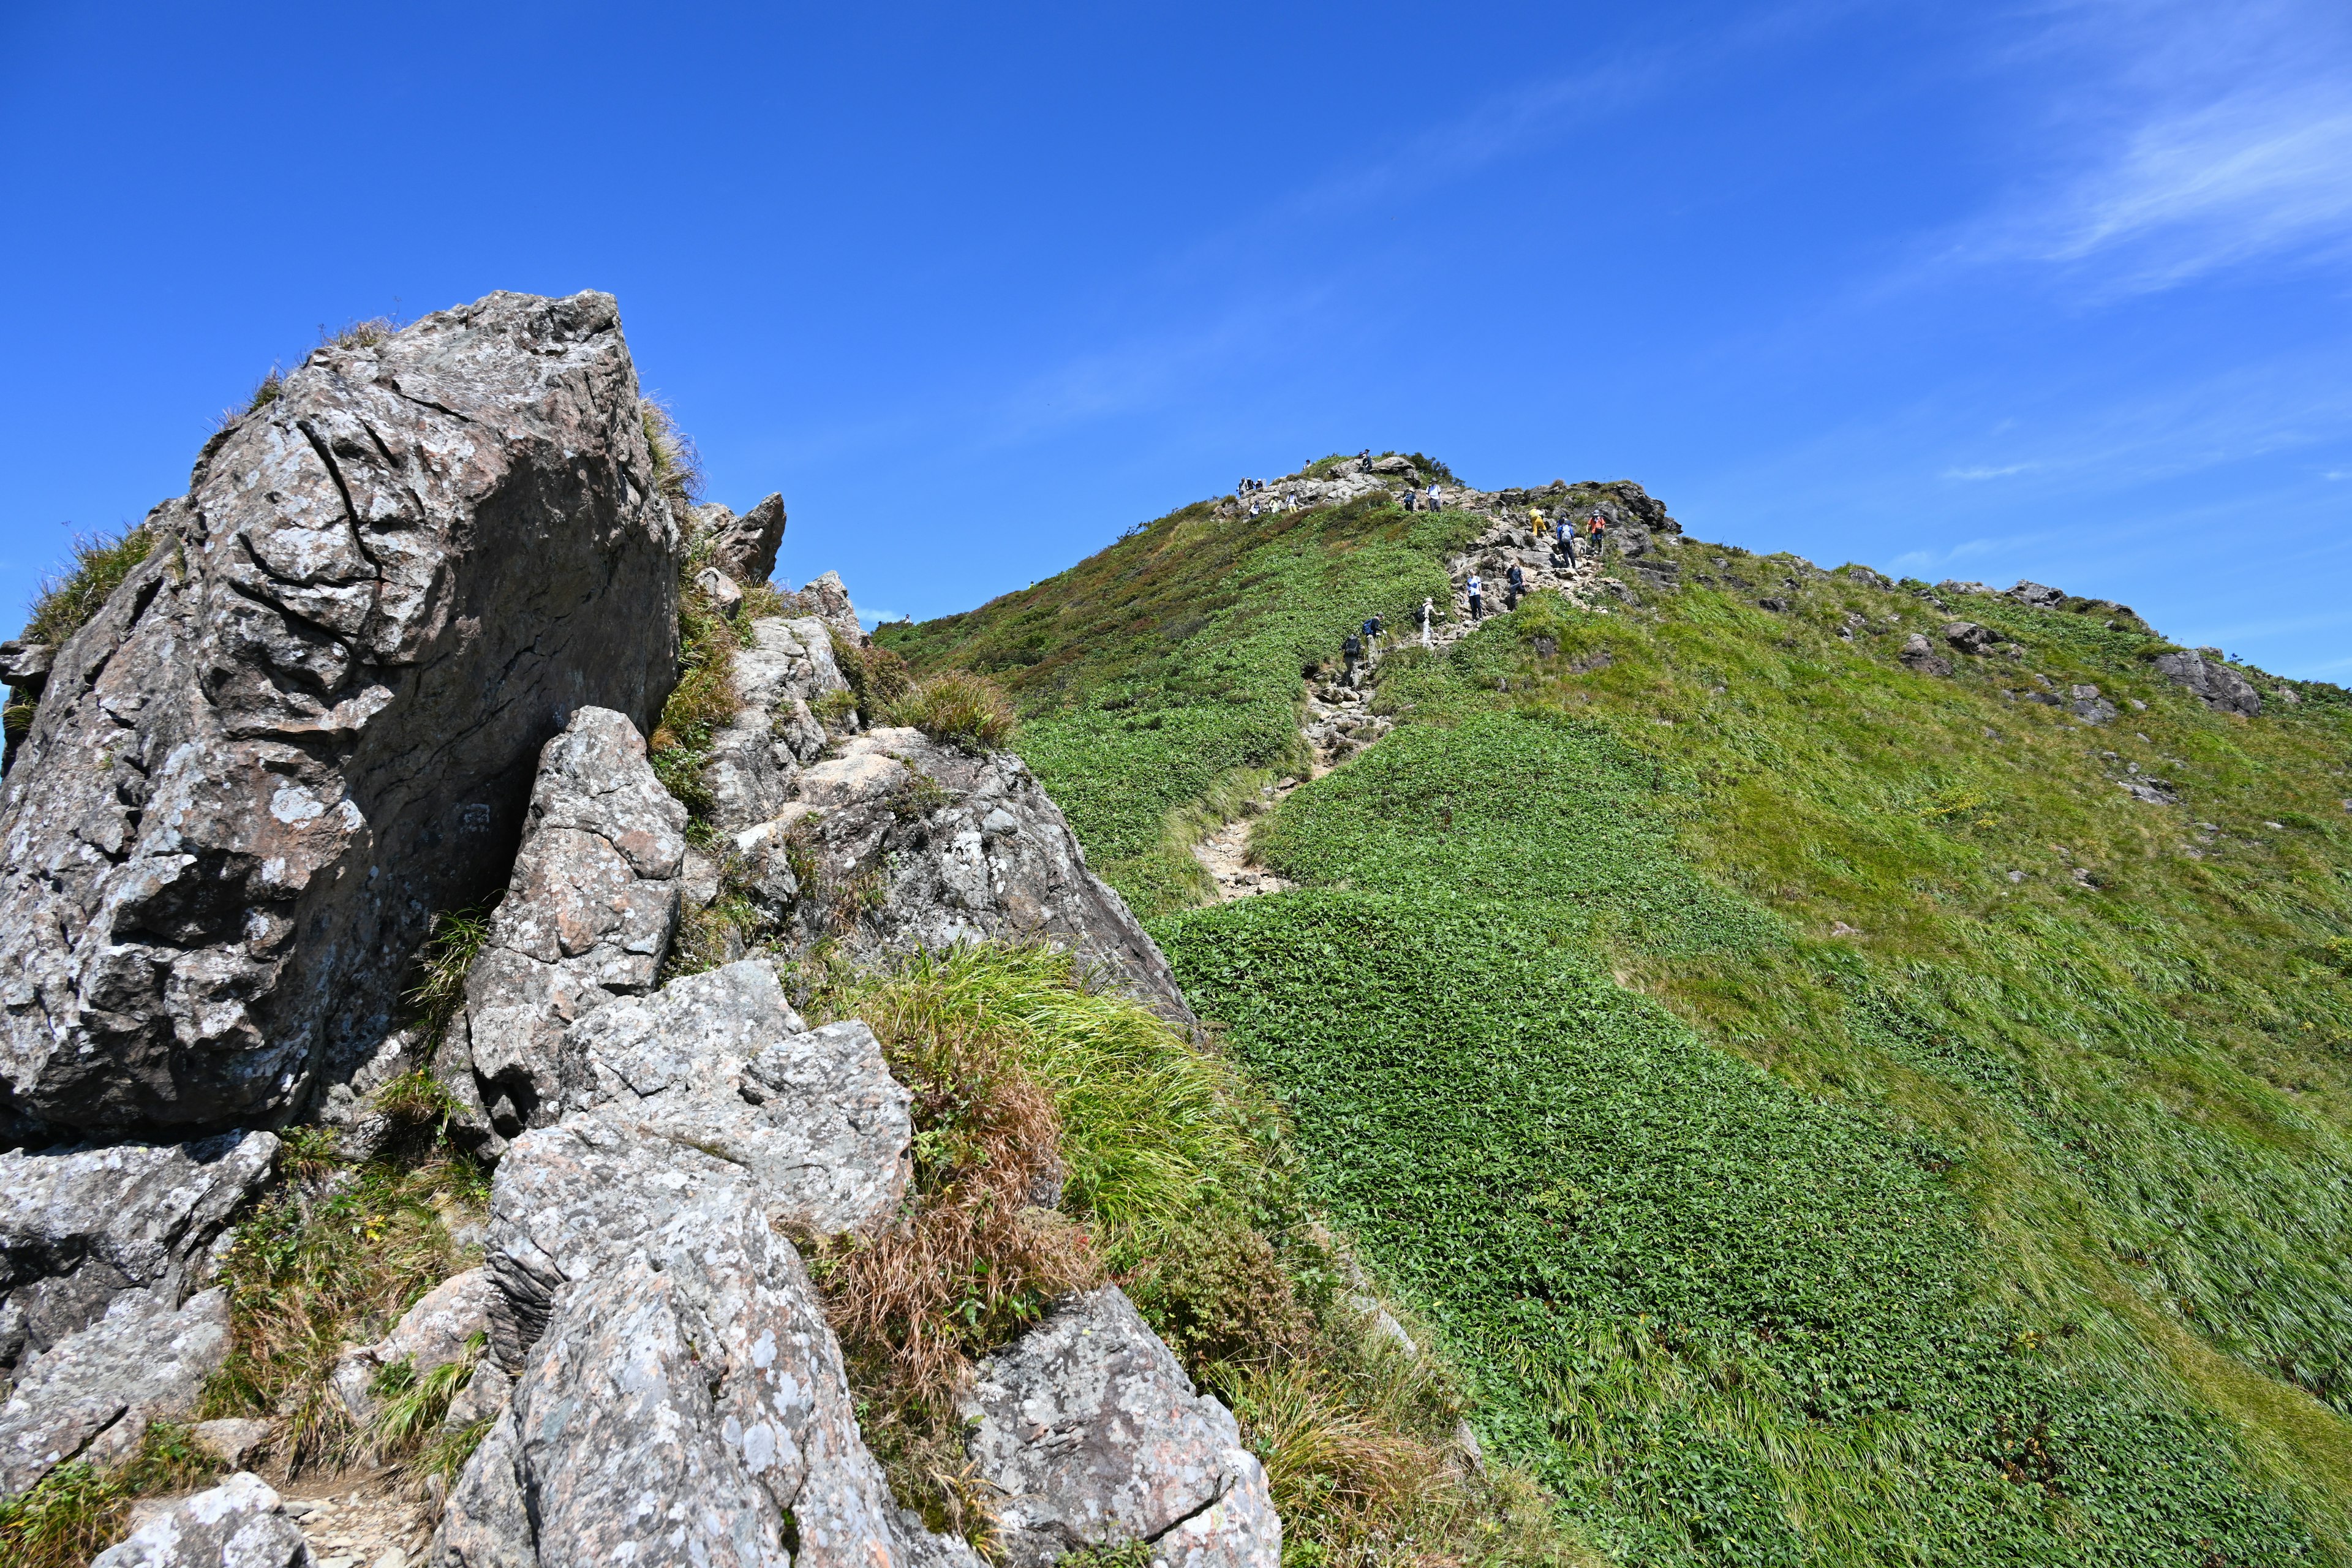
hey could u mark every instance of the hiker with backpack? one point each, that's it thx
(1517, 588)
(1351, 649)
(1478, 592)
(1563, 533)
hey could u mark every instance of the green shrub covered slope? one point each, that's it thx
(1827, 1115)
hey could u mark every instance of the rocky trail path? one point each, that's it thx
(1339, 720)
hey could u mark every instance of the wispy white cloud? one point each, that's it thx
(1999, 473)
(2188, 139)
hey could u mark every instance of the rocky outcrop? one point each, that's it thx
(909, 844)
(309, 718)
(1094, 1436)
(1969, 637)
(721, 1061)
(828, 597)
(93, 1394)
(744, 547)
(2219, 686)
(784, 667)
(79, 1228)
(236, 1524)
(588, 916)
(680, 1396)
(1920, 655)
(2039, 594)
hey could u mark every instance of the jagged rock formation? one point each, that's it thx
(2203, 673)
(785, 666)
(588, 915)
(902, 843)
(1093, 1435)
(309, 719)
(236, 1524)
(100, 1250)
(744, 547)
(432, 1333)
(678, 1393)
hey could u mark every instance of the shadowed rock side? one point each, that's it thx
(588, 915)
(310, 718)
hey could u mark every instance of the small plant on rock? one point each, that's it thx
(958, 708)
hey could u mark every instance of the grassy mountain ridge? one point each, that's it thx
(1829, 1116)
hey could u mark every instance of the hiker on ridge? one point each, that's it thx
(1351, 649)
(1478, 592)
(1428, 614)
(1564, 542)
(1518, 587)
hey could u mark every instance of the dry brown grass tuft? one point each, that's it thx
(677, 465)
(958, 708)
(971, 1262)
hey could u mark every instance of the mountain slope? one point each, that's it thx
(1835, 1111)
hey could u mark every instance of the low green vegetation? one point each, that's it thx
(958, 707)
(1174, 1181)
(78, 1509)
(68, 598)
(1147, 675)
(1825, 1113)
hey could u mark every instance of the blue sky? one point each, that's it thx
(2055, 290)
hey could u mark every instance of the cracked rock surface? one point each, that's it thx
(1094, 1435)
(310, 718)
(236, 1524)
(588, 915)
(93, 1394)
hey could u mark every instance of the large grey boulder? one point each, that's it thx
(310, 718)
(236, 1524)
(2041, 595)
(1094, 1436)
(2220, 687)
(79, 1228)
(94, 1393)
(784, 668)
(914, 845)
(680, 1394)
(721, 1061)
(588, 916)
(744, 547)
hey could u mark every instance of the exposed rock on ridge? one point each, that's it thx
(309, 718)
(588, 916)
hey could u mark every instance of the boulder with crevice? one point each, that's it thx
(588, 916)
(828, 597)
(1920, 655)
(2041, 595)
(909, 845)
(310, 718)
(81, 1226)
(2219, 686)
(1969, 637)
(239, 1523)
(94, 1393)
(1093, 1435)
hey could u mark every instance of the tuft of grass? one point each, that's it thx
(334, 1257)
(700, 704)
(267, 391)
(78, 1509)
(358, 334)
(878, 676)
(67, 600)
(958, 707)
(677, 465)
(411, 1406)
(452, 942)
